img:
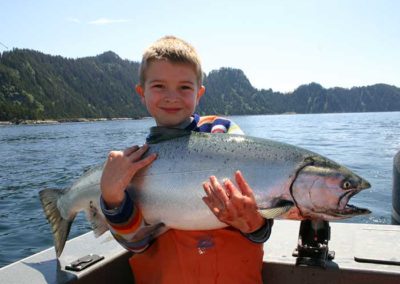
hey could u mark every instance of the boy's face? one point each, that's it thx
(170, 92)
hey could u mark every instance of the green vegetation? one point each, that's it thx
(37, 86)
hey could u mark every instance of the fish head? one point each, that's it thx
(322, 190)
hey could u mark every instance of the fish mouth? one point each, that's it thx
(350, 210)
(344, 198)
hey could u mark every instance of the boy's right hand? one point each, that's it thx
(118, 171)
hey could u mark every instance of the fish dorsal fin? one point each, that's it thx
(273, 212)
(159, 134)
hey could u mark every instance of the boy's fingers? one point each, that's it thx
(114, 155)
(227, 197)
(213, 200)
(243, 185)
(137, 155)
(232, 191)
(207, 190)
(143, 162)
(130, 150)
(218, 190)
(214, 209)
(208, 202)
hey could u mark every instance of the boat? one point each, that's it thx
(351, 253)
(364, 253)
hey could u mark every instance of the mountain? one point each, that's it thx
(313, 98)
(34, 85)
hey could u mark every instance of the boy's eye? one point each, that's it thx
(158, 86)
(186, 87)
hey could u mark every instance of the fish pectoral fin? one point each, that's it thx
(152, 231)
(97, 220)
(273, 212)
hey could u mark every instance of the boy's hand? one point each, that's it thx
(233, 206)
(118, 171)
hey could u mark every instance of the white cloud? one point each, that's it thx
(106, 21)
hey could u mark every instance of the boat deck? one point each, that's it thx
(376, 243)
(348, 240)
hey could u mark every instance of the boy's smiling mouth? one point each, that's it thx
(171, 109)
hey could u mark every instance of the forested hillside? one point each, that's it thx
(34, 85)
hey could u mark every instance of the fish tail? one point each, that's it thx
(59, 225)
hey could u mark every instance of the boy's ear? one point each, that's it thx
(200, 93)
(140, 91)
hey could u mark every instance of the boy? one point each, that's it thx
(170, 87)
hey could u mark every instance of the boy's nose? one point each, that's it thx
(171, 96)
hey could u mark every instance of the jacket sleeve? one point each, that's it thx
(217, 124)
(124, 222)
(262, 234)
(234, 129)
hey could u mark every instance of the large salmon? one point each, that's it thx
(285, 180)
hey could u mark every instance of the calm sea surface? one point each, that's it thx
(33, 157)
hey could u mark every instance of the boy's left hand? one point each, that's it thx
(234, 206)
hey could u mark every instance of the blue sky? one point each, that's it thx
(278, 44)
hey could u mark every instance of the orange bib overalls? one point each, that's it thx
(215, 256)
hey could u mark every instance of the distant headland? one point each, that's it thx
(41, 88)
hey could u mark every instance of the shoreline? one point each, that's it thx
(63, 120)
(69, 120)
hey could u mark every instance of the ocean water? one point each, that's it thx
(33, 157)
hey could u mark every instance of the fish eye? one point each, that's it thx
(346, 185)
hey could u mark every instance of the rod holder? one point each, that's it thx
(312, 247)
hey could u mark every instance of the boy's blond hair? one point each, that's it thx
(174, 50)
